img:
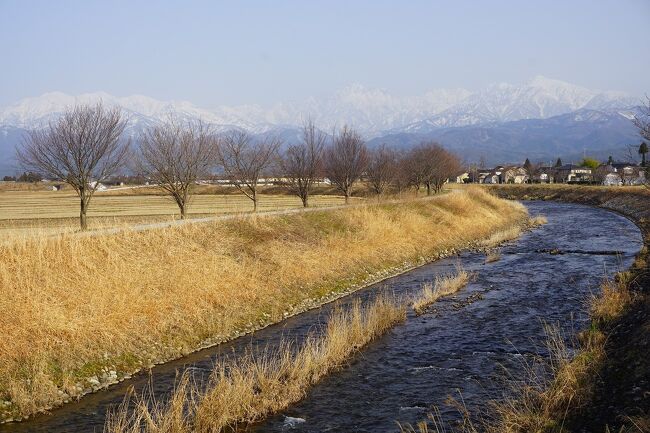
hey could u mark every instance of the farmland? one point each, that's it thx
(26, 211)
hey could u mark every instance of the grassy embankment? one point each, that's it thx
(83, 312)
(604, 385)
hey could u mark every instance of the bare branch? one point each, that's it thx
(382, 168)
(245, 160)
(302, 163)
(429, 164)
(346, 160)
(174, 155)
(83, 148)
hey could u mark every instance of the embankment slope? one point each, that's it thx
(79, 313)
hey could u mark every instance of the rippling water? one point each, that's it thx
(462, 344)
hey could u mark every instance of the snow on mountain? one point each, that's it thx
(141, 110)
(539, 98)
(373, 111)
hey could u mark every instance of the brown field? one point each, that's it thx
(29, 212)
(77, 309)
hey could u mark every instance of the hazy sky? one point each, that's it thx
(238, 52)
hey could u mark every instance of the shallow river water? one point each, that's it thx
(462, 344)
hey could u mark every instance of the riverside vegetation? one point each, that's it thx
(246, 390)
(601, 382)
(80, 313)
(442, 286)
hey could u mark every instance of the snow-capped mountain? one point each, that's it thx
(372, 111)
(539, 98)
(38, 111)
(456, 117)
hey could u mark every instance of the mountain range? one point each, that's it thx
(540, 119)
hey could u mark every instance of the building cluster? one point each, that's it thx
(613, 173)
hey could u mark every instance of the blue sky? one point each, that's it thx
(214, 53)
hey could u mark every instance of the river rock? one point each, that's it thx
(291, 422)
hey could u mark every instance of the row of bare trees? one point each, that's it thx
(86, 146)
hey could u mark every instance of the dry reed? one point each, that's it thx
(443, 285)
(512, 232)
(257, 385)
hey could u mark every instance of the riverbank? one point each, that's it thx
(606, 385)
(81, 313)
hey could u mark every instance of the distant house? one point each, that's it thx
(491, 178)
(620, 174)
(612, 179)
(501, 174)
(98, 186)
(462, 178)
(514, 175)
(630, 174)
(544, 174)
(573, 173)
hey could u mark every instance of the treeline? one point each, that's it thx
(86, 147)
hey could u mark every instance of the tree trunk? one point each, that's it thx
(181, 206)
(428, 188)
(347, 197)
(305, 200)
(83, 221)
(254, 201)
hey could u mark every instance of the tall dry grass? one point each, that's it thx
(512, 232)
(248, 389)
(77, 309)
(537, 402)
(558, 383)
(443, 285)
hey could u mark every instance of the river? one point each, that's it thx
(464, 343)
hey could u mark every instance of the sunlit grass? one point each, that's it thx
(74, 307)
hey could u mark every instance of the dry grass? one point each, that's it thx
(251, 388)
(512, 232)
(443, 286)
(611, 302)
(502, 236)
(76, 308)
(566, 379)
(552, 384)
(537, 221)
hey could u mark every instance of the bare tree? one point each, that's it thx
(174, 155)
(245, 160)
(345, 160)
(302, 163)
(83, 148)
(402, 178)
(382, 168)
(412, 171)
(431, 165)
(642, 120)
